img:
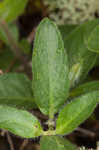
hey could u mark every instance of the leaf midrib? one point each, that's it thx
(51, 109)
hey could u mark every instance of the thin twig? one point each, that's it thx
(3, 132)
(1, 72)
(6, 133)
(10, 141)
(16, 49)
(24, 144)
(39, 115)
(83, 148)
(30, 38)
(86, 132)
(11, 66)
(97, 146)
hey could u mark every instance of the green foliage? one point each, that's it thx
(66, 30)
(56, 143)
(50, 69)
(74, 113)
(10, 10)
(19, 122)
(9, 35)
(85, 88)
(25, 45)
(13, 30)
(6, 58)
(77, 48)
(91, 29)
(20, 92)
(58, 64)
(94, 46)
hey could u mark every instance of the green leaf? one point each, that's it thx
(16, 90)
(85, 88)
(8, 61)
(56, 143)
(6, 58)
(93, 40)
(50, 69)
(13, 29)
(11, 9)
(19, 122)
(97, 61)
(25, 46)
(81, 60)
(75, 112)
(91, 30)
(66, 29)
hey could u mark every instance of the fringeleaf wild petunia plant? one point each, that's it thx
(58, 65)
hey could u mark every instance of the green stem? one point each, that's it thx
(49, 132)
(50, 124)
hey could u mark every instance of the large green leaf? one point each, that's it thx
(19, 122)
(11, 9)
(66, 29)
(16, 90)
(50, 68)
(85, 88)
(91, 32)
(75, 112)
(55, 143)
(81, 59)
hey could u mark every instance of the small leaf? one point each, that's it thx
(81, 59)
(11, 9)
(77, 111)
(85, 88)
(55, 143)
(50, 69)
(16, 90)
(19, 122)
